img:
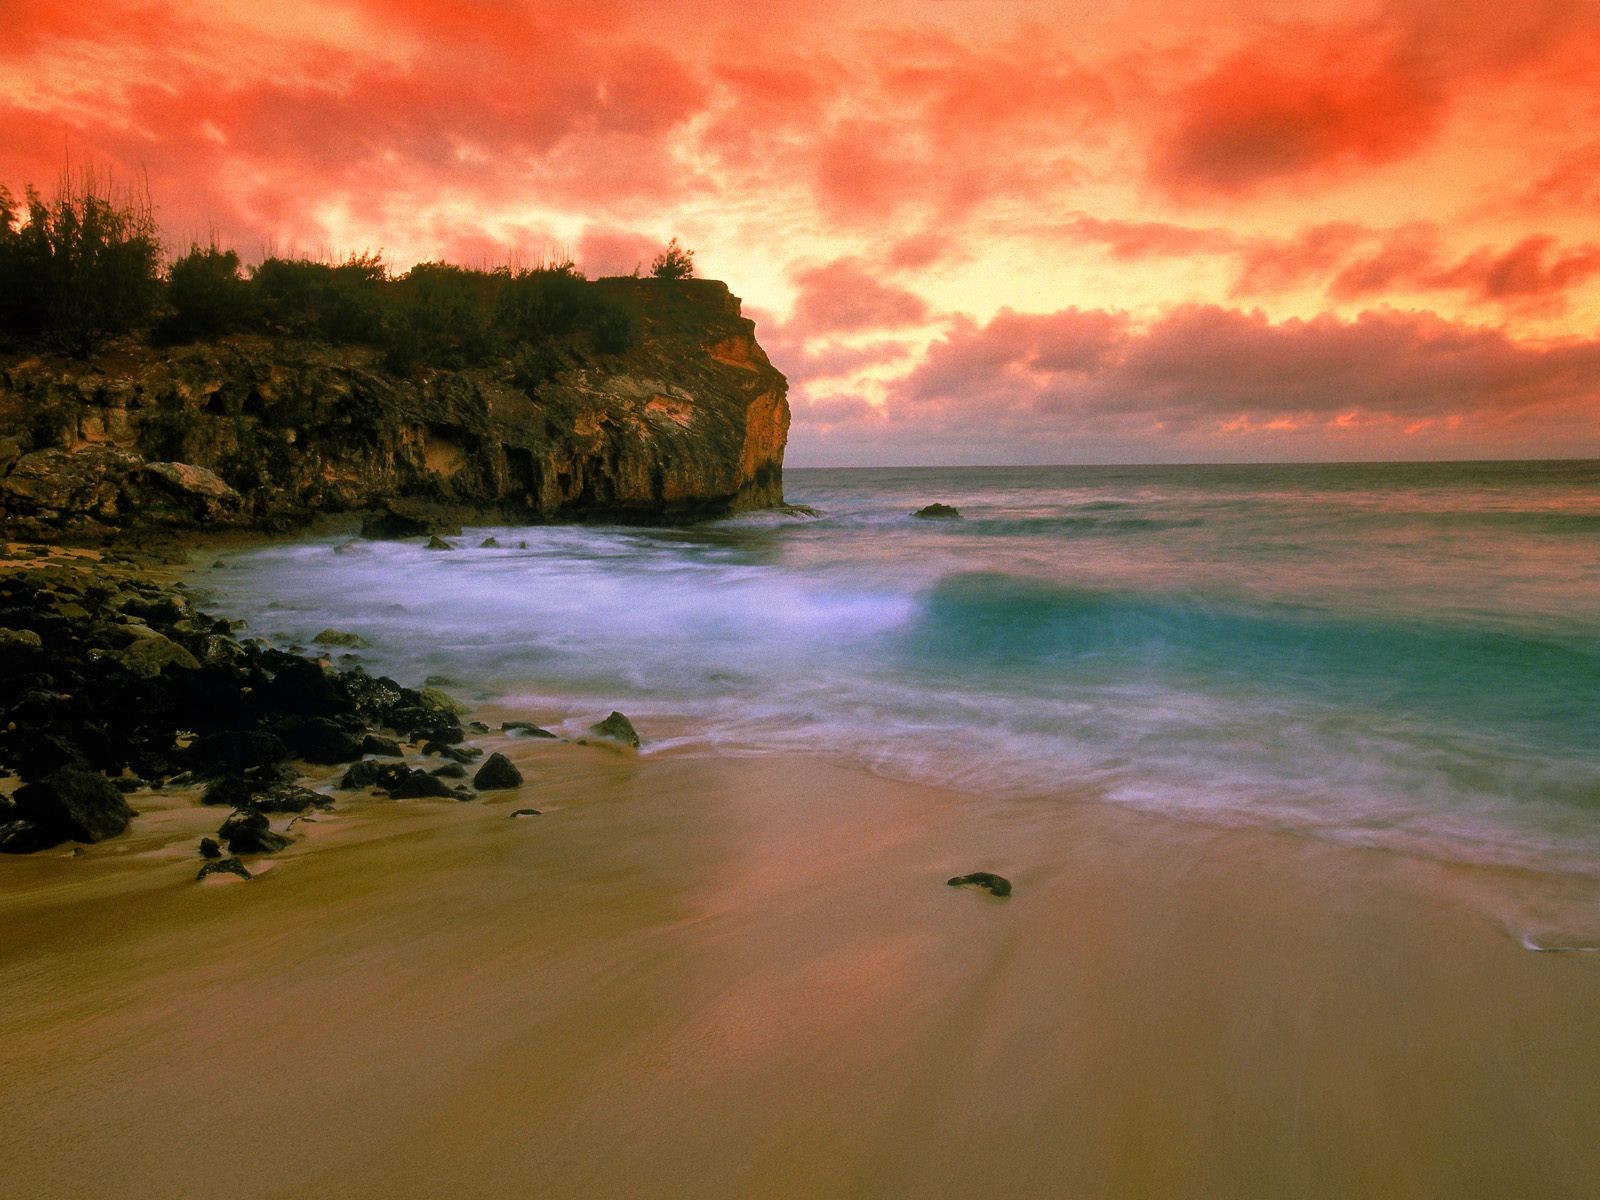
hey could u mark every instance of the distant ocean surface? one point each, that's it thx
(1402, 655)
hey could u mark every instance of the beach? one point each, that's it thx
(746, 977)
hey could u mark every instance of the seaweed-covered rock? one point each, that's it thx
(616, 728)
(938, 512)
(336, 637)
(498, 773)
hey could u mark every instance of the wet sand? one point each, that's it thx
(747, 978)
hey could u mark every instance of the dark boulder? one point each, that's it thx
(368, 773)
(320, 740)
(24, 837)
(498, 773)
(938, 512)
(288, 798)
(236, 749)
(997, 885)
(449, 771)
(77, 803)
(419, 785)
(460, 754)
(210, 848)
(381, 746)
(248, 832)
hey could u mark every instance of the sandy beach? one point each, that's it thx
(747, 978)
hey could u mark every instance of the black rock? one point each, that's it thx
(419, 785)
(449, 771)
(24, 837)
(368, 773)
(527, 728)
(234, 791)
(210, 848)
(477, 727)
(320, 740)
(938, 512)
(79, 804)
(617, 728)
(258, 841)
(234, 750)
(381, 746)
(497, 774)
(224, 866)
(527, 812)
(300, 688)
(997, 885)
(43, 754)
(460, 754)
(288, 798)
(241, 819)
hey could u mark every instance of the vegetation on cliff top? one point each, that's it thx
(86, 265)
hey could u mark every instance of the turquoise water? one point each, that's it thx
(1405, 655)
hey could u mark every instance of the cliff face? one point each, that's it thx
(251, 431)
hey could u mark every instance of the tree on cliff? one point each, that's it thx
(83, 267)
(674, 262)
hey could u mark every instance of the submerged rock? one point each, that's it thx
(527, 812)
(488, 543)
(438, 543)
(616, 728)
(336, 637)
(938, 512)
(997, 885)
(452, 770)
(527, 728)
(498, 773)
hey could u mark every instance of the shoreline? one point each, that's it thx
(736, 976)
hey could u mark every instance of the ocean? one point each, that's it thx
(1395, 655)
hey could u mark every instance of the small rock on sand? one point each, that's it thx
(997, 885)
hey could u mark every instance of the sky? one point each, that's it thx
(969, 231)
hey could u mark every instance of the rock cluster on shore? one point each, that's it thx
(111, 683)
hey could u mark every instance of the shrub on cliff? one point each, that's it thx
(83, 267)
(442, 315)
(675, 262)
(338, 302)
(207, 294)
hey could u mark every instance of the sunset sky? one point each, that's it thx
(968, 232)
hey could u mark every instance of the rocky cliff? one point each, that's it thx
(252, 431)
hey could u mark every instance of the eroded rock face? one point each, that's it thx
(252, 431)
